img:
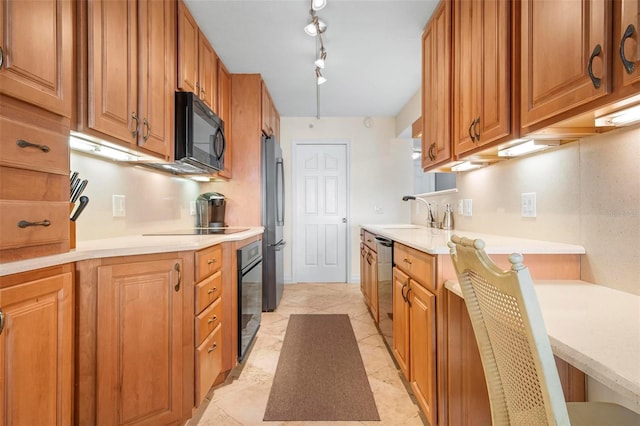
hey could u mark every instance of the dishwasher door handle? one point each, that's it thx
(384, 241)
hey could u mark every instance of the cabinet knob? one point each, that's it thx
(629, 66)
(213, 347)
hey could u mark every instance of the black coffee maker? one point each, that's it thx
(210, 210)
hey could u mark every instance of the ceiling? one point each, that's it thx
(373, 64)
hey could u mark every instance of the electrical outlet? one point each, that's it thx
(528, 204)
(378, 209)
(468, 207)
(119, 205)
(192, 208)
(460, 207)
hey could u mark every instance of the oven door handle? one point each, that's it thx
(251, 265)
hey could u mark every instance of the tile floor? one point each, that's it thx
(242, 399)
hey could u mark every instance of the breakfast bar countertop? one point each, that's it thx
(127, 246)
(434, 241)
(594, 328)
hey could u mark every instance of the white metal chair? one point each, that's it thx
(522, 378)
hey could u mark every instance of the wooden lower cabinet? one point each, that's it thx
(36, 347)
(135, 328)
(401, 321)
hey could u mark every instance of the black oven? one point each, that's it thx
(249, 295)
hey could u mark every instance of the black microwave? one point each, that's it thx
(199, 134)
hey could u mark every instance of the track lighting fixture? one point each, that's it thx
(319, 78)
(315, 28)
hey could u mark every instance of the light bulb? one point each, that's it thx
(318, 4)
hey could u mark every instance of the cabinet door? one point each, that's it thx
(36, 39)
(113, 69)
(208, 72)
(188, 33)
(363, 262)
(423, 348)
(482, 74)
(436, 85)
(626, 68)
(36, 352)
(266, 111)
(139, 356)
(562, 42)
(401, 321)
(224, 111)
(156, 63)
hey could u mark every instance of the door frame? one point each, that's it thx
(294, 153)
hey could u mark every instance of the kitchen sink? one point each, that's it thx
(402, 227)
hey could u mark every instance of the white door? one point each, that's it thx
(320, 238)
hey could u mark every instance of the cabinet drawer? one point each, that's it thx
(13, 212)
(208, 320)
(418, 265)
(208, 290)
(51, 156)
(370, 240)
(208, 261)
(208, 363)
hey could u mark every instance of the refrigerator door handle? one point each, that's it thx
(278, 246)
(280, 191)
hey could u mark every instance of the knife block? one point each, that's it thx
(72, 228)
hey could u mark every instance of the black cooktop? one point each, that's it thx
(201, 231)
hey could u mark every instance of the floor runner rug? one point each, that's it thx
(320, 374)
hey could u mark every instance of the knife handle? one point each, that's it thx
(84, 200)
(79, 190)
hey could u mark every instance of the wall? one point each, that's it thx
(154, 201)
(378, 174)
(588, 193)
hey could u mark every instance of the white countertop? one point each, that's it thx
(127, 246)
(434, 241)
(594, 328)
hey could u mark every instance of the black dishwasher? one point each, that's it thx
(384, 248)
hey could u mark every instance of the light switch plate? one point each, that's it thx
(119, 205)
(468, 207)
(192, 208)
(460, 207)
(528, 204)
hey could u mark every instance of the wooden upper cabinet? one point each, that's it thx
(36, 348)
(436, 86)
(482, 87)
(565, 47)
(267, 110)
(36, 39)
(197, 60)
(130, 70)
(156, 24)
(224, 112)
(208, 65)
(626, 44)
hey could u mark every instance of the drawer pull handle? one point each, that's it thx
(629, 66)
(25, 224)
(212, 261)
(213, 290)
(212, 348)
(177, 268)
(24, 144)
(215, 317)
(1, 57)
(471, 135)
(475, 129)
(1, 321)
(595, 80)
(404, 285)
(407, 261)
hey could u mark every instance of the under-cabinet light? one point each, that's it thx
(100, 150)
(526, 147)
(201, 178)
(465, 166)
(624, 117)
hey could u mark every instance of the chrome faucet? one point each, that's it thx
(432, 218)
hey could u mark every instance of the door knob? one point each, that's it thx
(344, 220)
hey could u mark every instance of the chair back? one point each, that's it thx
(522, 377)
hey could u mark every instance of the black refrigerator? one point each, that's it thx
(273, 222)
